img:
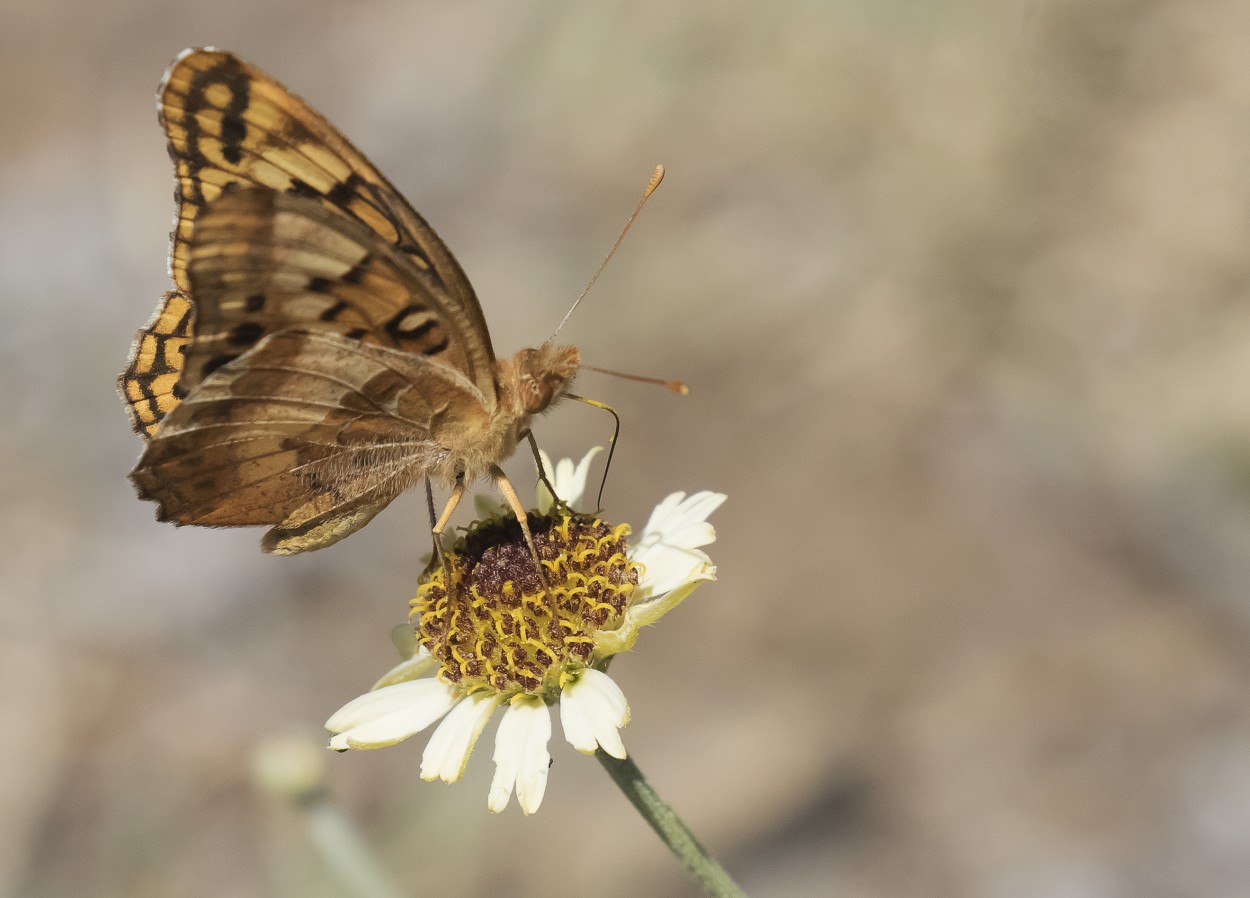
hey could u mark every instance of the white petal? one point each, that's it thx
(665, 569)
(416, 666)
(391, 714)
(382, 701)
(521, 758)
(669, 546)
(572, 485)
(592, 712)
(568, 478)
(449, 748)
(677, 513)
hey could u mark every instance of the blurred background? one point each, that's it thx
(962, 290)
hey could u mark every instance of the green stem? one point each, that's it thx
(669, 827)
(345, 850)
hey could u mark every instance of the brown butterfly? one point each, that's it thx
(322, 351)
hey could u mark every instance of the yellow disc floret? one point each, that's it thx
(501, 627)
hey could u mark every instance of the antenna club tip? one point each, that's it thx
(656, 177)
(678, 387)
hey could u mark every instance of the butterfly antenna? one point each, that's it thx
(656, 177)
(611, 444)
(676, 386)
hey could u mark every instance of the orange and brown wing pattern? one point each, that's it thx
(310, 432)
(228, 123)
(261, 261)
(150, 384)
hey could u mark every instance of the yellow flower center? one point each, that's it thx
(498, 627)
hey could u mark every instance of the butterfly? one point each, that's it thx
(322, 351)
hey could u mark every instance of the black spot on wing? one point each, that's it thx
(227, 72)
(247, 333)
(145, 387)
(184, 323)
(160, 362)
(254, 303)
(216, 362)
(233, 125)
(421, 330)
(357, 272)
(303, 188)
(334, 311)
(408, 323)
(439, 347)
(343, 192)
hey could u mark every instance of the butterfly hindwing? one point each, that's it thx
(150, 384)
(310, 432)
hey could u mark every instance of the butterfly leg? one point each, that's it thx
(437, 527)
(457, 493)
(542, 473)
(438, 543)
(510, 496)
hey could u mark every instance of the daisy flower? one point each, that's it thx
(498, 636)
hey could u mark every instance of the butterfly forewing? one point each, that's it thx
(261, 261)
(228, 123)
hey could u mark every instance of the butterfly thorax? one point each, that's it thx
(527, 384)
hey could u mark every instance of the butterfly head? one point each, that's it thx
(542, 374)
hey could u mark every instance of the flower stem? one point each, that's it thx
(669, 827)
(345, 850)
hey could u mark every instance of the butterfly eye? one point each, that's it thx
(536, 393)
(542, 374)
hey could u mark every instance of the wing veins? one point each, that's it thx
(454, 376)
(271, 138)
(390, 475)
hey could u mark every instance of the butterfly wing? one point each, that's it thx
(230, 123)
(311, 431)
(260, 261)
(150, 384)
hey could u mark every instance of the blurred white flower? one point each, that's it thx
(500, 636)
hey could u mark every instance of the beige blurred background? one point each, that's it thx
(962, 289)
